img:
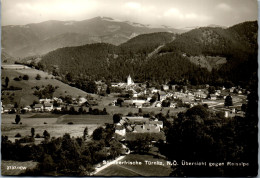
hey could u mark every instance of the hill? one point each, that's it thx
(216, 41)
(237, 45)
(206, 55)
(24, 95)
(40, 38)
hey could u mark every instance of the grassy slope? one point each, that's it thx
(56, 126)
(26, 94)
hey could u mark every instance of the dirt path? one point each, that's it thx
(108, 164)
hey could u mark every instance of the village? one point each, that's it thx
(140, 96)
(139, 113)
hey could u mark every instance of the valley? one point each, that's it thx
(77, 94)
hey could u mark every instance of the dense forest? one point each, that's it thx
(163, 58)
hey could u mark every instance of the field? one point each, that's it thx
(137, 170)
(56, 126)
(26, 94)
(17, 167)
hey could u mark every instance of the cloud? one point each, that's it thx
(173, 12)
(133, 5)
(223, 6)
(176, 13)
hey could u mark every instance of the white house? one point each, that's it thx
(120, 129)
(48, 107)
(38, 107)
(27, 108)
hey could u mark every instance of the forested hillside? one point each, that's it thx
(237, 45)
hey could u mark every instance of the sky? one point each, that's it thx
(173, 13)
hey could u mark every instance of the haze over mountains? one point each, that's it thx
(40, 38)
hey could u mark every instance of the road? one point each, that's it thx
(108, 164)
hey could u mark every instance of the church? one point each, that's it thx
(129, 80)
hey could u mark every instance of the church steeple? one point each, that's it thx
(129, 80)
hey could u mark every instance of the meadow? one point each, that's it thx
(25, 96)
(56, 125)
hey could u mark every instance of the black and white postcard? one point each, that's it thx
(129, 88)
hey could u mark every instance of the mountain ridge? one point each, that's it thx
(205, 55)
(34, 39)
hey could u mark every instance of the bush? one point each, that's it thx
(37, 136)
(70, 123)
(26, 139)
(25, 77)
(17, 79)
(38, 77)
(18, 135)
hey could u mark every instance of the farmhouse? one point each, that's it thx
(38, 107)
(136, 120)
(212, 97)
(27, 108)
(48, 107)
(7, 108)
(120, 129)
(147, 128)
(200, 94)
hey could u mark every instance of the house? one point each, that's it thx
(7, 109)
(120, 129)
(162, 95)
(212, 97)
(58, 108)
(58, 100)
(138, 103)
(147, 128)
(158, 104)
(27, 108)
(48, 107)
(231, 90)
(165, 87)
(135, 120)
(200, 94)
(82, 100)
(157, 123)
(38, 107)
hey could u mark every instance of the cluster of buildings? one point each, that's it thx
(46, 105)
(143, 97)
(137, 125)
